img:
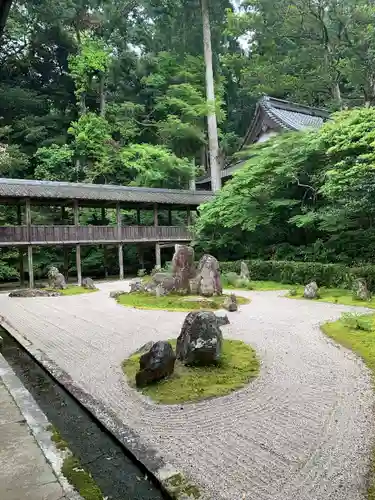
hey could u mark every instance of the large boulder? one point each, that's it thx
(360, 290)
(55, 279)
(158, 278)
(311, 291)
(245, 273)
(155, 364)
(34, 292)
(136, 285)
(230, 303)
(89, 284)
(183, 267)
(200, 340)
(209, 276)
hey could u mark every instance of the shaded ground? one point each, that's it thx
(301, 430)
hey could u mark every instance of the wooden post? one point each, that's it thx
(29, 247)
(138, 216)
(65, 248)
(78, 246)
(188, 216)
(156, 218)
(119, 237)
(21, 252)
(105, 256)
(169, 217)
(158, 255)
(141, 257)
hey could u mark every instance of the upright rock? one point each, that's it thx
(55, 279)
(311, 291)
(183, 268)
(200, 340)
(156, 364)
(209, 276)
(89, 284)
(230, 303)
(360, 290)
(245, 273)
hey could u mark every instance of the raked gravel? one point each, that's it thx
(303, 430)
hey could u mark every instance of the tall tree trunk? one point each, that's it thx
(213, 140)
(102, 95)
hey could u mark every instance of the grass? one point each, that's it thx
(72, 469)
(238, 366)
(357, 333)
(72, 290)
(173, 302)
(335, 296)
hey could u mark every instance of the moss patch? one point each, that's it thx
(237, 367)
(72, 469)
(174, 302)
(357, 332)
(72, 290)
(335, 296)
(179, 486)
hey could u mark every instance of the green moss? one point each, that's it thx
(73, 290)
(174, 302)
(179, 486)
(238, 366)
(56, 437)
(81, 479)
(336, 296)
(260, 286)
(76, 475)
(357, 333)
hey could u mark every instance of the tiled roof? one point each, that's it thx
(21, 188)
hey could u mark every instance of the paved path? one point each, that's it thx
(302, 430)
(30, 465)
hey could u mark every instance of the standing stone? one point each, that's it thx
(222, 317)
(200, 340)
(311, 291)
(209, 276)
(194, 286)
(360, 290)
(230, 303)
(245, 273)
(55, 279)
(89, 284)
(156, 364)
(183, 268)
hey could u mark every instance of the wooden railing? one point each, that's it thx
(48, 235)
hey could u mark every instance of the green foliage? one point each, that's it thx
(237, 367)
(357, 322)
(55, 163)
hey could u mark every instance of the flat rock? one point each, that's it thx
(34, 292)
(200, 340)
(222, 317)
(116, 293)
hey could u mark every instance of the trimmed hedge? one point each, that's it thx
(301, 273)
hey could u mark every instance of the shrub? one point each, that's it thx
(292, 292)
(293, 273)
(357, 322)
(141, 273)
(230, 279)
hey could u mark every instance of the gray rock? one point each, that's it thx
(209, 276)
(160, 277)
(230, 303)
(116, 294)
(183, 266)
(360, 290)
(34, 292)
(311, 291)
(200, 340)
(168, 284)
(155, 364)
(194, 286)
(136, 285)
(160, 291)
(55, 279)
(1, 342)
(245, 273)
(222, 317)
(89, 284)
(145, 348)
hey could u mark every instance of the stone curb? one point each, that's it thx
(171, 480)
(38, 424)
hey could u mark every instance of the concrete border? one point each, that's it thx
(38, 424)
(171, 480)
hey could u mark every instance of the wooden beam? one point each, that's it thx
(78, 247)
(119, 236)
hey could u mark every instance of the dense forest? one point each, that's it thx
(115, 92)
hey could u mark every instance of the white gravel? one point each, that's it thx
(302, 431)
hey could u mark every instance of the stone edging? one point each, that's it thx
(171, 480)
(38, 424)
